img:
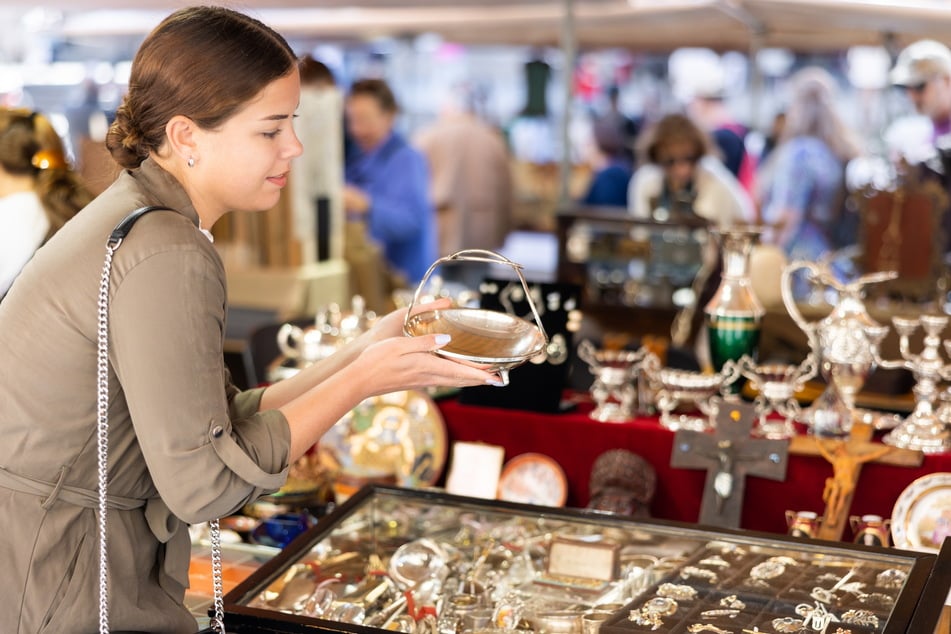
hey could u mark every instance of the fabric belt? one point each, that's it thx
(166, 528)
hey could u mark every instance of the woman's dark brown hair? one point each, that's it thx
(378, 90)
(204, 63)
(673, 128)
(30, 146)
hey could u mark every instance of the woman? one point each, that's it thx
(804, 181)
(679, 175)
(205, 129)
(388, 181)
(39, 191)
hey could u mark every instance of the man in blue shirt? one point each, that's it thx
(387, 182)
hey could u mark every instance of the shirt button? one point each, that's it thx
(217, 431)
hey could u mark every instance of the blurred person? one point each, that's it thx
(804, 190)
(923, 70)
(315, 186)
(204, 130)
(680, 177)
(612, 166)
(387, 181)
(471, 185)
(707, 107)
(679, 173)
(39, 191)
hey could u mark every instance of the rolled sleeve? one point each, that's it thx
(207, 449)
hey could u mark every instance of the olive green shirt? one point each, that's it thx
(184, 445)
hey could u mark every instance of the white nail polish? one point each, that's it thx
(442, 339)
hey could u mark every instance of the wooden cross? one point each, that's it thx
(847, 458)
(729, 455)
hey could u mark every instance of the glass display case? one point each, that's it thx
(624, 263)
(423, 561)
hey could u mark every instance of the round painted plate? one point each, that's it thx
(533, 478)
(921, 518)
(401, 434)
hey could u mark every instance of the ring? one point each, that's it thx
(677, 591)
(891, 578)
(712, 614)
(732, 602)
(860, 617)
(787, 624)
(664, 606)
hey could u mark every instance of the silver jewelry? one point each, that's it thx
(878, 599)
(191, 161)
(677, 591)
(706, 627)
(732, 602)
(690, 572)
(891, 578)
(817, 617)
(822, 594)
(712, 614)
(860, 617)
(787, 624)
(716, 561)
(768, 569)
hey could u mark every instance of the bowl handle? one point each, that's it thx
(478, 255)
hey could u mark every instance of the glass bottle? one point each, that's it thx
(734, 313)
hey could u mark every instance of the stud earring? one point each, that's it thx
(191, 161)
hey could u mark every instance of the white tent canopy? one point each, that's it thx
(814, 25)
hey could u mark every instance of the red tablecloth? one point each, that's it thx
(575, 440)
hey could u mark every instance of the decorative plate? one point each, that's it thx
(921, 518)
(533, 478)
(400, 434)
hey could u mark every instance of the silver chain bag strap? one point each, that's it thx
(102, 436)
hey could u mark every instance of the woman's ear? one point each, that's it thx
(181, 133)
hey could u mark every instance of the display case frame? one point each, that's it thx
(916, 604)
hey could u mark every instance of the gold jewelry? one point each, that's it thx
(652, 610)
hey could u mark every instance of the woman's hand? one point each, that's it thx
(403, 363)
(391, 324)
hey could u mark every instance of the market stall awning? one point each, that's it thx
(637, 24)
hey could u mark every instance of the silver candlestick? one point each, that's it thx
(923, 429)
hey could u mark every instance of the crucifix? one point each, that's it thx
(729, 455)
(847, 457)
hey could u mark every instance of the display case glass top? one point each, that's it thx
(425, 561)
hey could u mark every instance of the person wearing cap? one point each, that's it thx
(923, 69)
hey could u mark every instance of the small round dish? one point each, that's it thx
(921, 518)
(533, 478)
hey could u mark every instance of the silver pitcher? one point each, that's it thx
(841, 343)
